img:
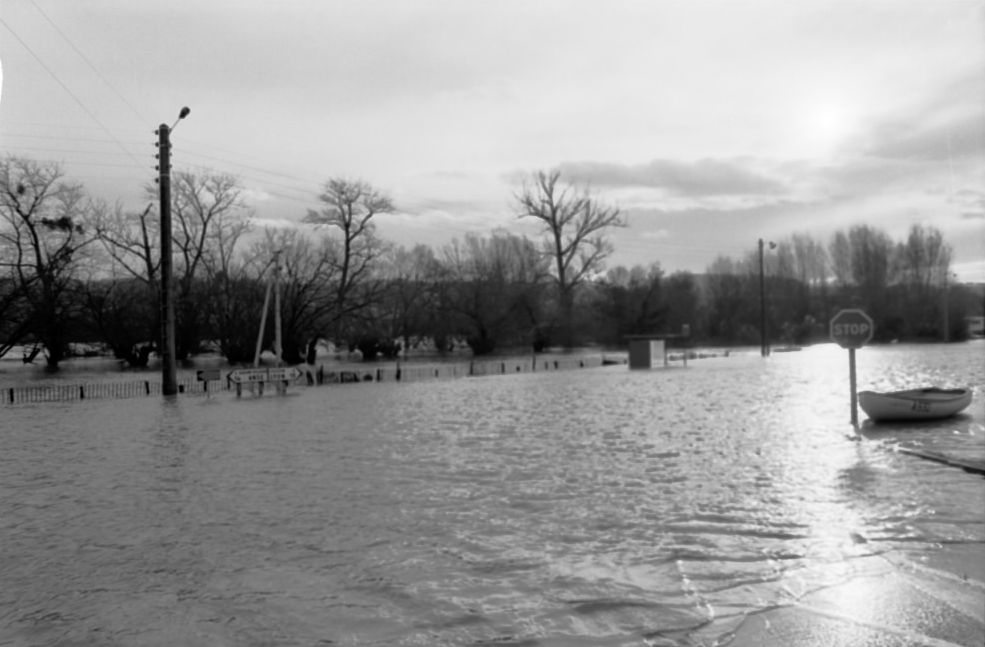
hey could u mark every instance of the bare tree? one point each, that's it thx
(42, 231)
(840, 252)
(410, 306)
(871, 251)
(924, 260)
(307, 280)
(811, 261)
(921, 265)
(131, 286)
(131, 240)
(14, 323)
(861, 261)
(210, 216)
(729, 296)
(493, 288)
(209, 219)
(575, 225)
(350, 206)
(629, 301)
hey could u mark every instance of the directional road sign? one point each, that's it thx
(278, 374)
(851, 328)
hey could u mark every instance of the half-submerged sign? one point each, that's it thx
(259, 376)
(207, 375)
(852, 329)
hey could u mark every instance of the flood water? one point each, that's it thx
(583, 507)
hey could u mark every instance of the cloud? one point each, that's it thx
(970, 199)
(706, 177)
(948, 126)
(659, 234)
(949, 137)
(273, 223)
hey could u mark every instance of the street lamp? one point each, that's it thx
(764, 347)
(946, 309)
(169, 377)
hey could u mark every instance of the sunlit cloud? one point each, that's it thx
(704, 132)
(703, 177)
(273, 223)
(659, 234)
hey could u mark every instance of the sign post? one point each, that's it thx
(208, 375)
(281, 375)
(852, 329)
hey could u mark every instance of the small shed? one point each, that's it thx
(646, 350)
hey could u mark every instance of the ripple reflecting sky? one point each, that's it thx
(595, 507)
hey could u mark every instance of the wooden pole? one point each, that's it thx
(169, 378)
(278, 350)
(851, 380)
(762, 303)
(263, 325)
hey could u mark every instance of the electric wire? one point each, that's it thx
(68, 90)
(301, 191)
(304, 193)
(86, 60)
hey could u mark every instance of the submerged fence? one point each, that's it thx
(397, 372)
(95, 391)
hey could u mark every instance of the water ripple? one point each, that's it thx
(601, 507)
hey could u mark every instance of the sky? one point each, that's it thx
(709, 123)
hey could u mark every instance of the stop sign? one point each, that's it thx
(851, 328)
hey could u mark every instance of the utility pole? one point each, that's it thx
(278, 342)
(169, 375)
(946, 309)
(762, 303)
(764, 345)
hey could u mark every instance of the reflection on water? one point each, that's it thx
(596, 507)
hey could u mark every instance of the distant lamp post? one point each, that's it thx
(947, 314)
(169, 376)
(764, 344)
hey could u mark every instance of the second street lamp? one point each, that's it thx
(764, 343)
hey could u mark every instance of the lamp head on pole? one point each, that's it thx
(181, 115)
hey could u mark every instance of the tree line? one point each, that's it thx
(74, 268)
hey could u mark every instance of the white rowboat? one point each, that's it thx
(915, 404)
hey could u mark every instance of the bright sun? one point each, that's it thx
(829, 120)
(827, 126)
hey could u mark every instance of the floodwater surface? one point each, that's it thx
(585, 507)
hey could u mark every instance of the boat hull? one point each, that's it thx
(915, 404)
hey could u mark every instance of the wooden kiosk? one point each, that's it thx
(645, 351)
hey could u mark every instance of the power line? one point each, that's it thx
(67, 89)
(88, 62)
(305, 193)
(301, 185)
